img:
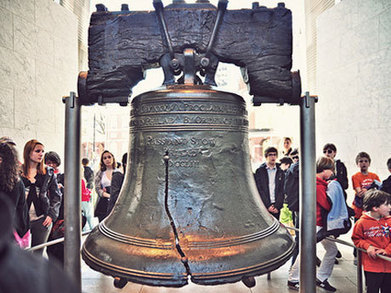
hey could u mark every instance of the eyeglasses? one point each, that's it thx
(295, 158)
(271, 154)
(328, 151)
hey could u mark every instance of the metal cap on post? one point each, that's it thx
(72, 184)
(307, 194)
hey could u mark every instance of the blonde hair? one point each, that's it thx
(324, 163)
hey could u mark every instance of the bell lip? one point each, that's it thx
(167, 280)
(225, 277)
(200, 277)
(139, 277)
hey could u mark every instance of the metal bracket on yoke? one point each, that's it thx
(175, 64)
(189, 70)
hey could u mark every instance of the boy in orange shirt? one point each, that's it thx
(361, 182)
(372, 233)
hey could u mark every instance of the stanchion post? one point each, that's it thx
(359, 271)
(307, 195)
(72, 213)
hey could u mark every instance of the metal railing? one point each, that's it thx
(359, 267)
(52, 242)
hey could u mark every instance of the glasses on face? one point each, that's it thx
(327, 151)
(272, 155)
(295, 158)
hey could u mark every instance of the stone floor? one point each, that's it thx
(343, 278)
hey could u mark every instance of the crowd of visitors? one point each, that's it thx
(35, 188)
(371, 231)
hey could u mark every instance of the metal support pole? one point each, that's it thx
(307, 195)
(72, 198)
(359, 271)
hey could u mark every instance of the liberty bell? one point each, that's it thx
(189, 207)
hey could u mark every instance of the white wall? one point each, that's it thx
(38, 65)
(354, 88)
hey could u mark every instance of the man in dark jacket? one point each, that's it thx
(269, 179)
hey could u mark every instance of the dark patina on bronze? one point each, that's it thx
(223, 231)
(189, 207)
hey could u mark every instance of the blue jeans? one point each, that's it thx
(86, 208)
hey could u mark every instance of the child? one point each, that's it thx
(324, 170)
(361, 182)
(372, 232)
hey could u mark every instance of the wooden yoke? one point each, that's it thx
(123, 44)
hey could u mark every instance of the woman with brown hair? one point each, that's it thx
(12, 187)
(42, 193)
(102, 183)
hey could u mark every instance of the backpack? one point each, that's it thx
(337, 220)
(89, 176)
(291, 187)
(386, 185)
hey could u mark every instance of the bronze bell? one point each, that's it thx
(189, 206)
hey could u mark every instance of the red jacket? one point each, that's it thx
(370, 231)
(321, 200)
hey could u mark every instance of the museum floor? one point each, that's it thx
(343, 278)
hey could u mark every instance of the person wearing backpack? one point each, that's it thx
(336, 221)
(324, 170)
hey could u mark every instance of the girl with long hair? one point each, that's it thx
(42, 192)
(102, 183)
(12, 187)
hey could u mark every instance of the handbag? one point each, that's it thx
(101, 206)
(25, 241)
(85, 192)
